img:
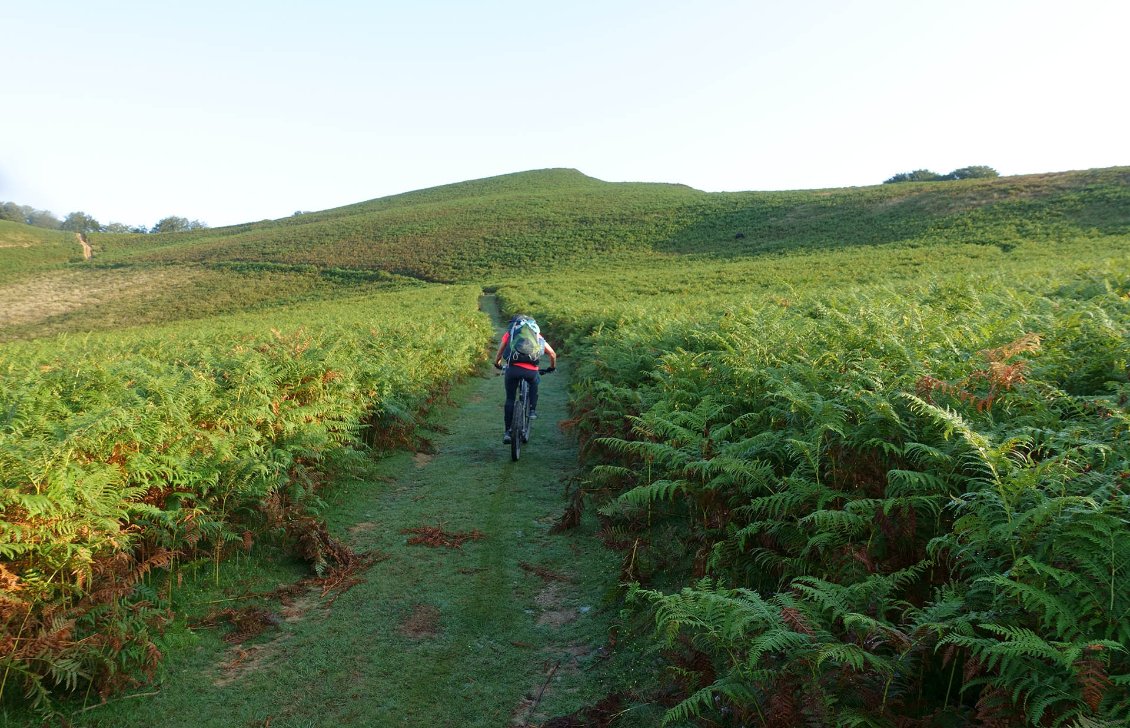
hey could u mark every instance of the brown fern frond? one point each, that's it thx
(110, 592)
(1093, 680)
(436, 536)
(795, 620)
(273, 510)
(571, 516)
(120, 572)
(159, 560)
(9, 583)
(973, 668)
(1000, 376)
(784, 708)
(1005, 376)
(995, 710)
(861, 555)
(152, 658)
(113, 565)
(927, 385)
(246, 623)
(1026, 343)
(51, 638)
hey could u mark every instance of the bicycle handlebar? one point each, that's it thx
(547, 370)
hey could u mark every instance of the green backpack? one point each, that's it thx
(526, 344)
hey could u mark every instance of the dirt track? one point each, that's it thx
(87, 251)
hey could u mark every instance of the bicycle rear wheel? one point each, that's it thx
(519, 419)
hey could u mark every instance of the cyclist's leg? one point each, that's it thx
(512, 378)
(534, 379)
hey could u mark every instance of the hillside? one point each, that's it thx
(481, 231)
(25, 250)
(474, 229)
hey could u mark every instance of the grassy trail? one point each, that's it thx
(505, 630)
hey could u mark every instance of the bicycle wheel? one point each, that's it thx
(519, 419)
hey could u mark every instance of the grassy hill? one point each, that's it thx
(466, 231)
(481, 231)
(456, 232)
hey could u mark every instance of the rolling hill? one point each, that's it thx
(482, 231)
(466, 231)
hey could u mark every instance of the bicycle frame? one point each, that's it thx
(520, 422)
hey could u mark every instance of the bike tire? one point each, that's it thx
(519, 419)
(527, 423)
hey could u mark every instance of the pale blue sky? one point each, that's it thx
(235, 111)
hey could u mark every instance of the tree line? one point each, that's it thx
(81, 222)
(925, 175)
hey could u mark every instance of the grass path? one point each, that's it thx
(506, 630)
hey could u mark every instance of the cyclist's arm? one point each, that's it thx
(501, 348)
(552, 354)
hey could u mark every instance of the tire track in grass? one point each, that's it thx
(433, 636)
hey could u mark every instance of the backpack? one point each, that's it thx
(525, 341)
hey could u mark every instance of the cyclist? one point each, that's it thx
(516, 371)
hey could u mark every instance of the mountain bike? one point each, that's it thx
(520, 422)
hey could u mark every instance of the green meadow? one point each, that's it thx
(853, 457)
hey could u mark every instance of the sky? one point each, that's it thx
(243, 110)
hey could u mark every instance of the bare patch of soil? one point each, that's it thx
(241, 661)
(296, 608)
(363, 527)
(565, 668)
(298, 601)
(557, 617)
(550, 597)
(422, 459)
(544, 573)
(524, 712)
(554, 613)
(422, 623)
(577, 652)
